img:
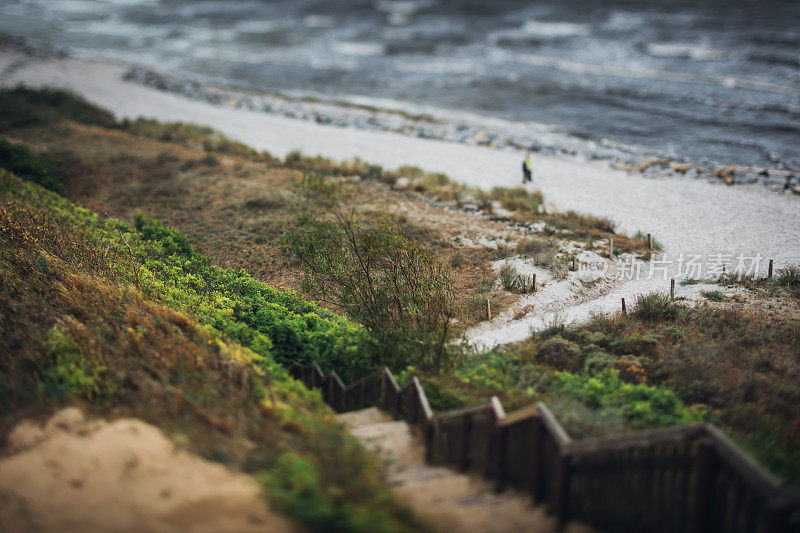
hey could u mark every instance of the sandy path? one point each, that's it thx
(73, 474)
(689, 216)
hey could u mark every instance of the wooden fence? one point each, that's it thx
(686, 478)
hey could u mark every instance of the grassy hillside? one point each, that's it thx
(732, 361)
(127, 320)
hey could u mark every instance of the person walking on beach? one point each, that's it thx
(527, 167)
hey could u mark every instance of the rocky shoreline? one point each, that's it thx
(497, 134)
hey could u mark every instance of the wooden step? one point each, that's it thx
(447, 499)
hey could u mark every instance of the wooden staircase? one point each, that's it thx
(446, 498)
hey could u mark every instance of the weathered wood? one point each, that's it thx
(624, 311)
(466, 424)
(705, 465)
(666, 488)
(537, 451)
(672, 289)
(769, 272)
(562, 488)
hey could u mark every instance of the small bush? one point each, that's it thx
(655, 307)
(788, 277)
(27, 164)
(642, 405)
(518, 199)
(515, 282)
(533, 246)
(21, 107)
(714, 296)
(560, 354)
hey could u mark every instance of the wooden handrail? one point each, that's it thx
(423, 398)
(744, 465)
(638, 439)
(551, 475)
(556, 430)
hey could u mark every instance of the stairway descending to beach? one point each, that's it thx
(447, 499)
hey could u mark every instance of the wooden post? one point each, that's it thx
(703, 487)
(384, 391)
(537, 461)
(563, 332)
(488, 309)
(534, 282)
(650, 241)
(561, 488)
(672, 289)
(467, 421)
(573, 263)
(624, 312)
(429, 437)
(501, 459)
(611, 247)
(769, 272)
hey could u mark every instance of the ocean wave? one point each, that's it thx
(690, 51)
(534, 30)
(578, 67)
(359, 49)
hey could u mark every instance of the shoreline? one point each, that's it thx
(462, 128)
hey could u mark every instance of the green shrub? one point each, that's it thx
(714, 296)
(788, 277)
(21, 107)
(655, 307)
(518, 199)
(642, 405)
(513, 281)
(392, 285)
(27, 164)
(70, 373)
(561, 354)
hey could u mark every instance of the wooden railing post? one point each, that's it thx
(467, 424)
(501, 458)
(562, 487)
(705, 464)
(537, 459)
(384, 390)
(429, 436)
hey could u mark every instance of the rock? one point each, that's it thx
(680, 168)
(402, 183)
(726, 174)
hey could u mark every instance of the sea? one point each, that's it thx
(713, 82)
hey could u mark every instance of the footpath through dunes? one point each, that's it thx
(449, 500)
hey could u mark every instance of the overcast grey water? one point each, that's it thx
(714, 82)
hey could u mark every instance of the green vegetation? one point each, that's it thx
(713, 296)
(390, 284)
(24, 162)
(23, 107)
(192, 135)
(515, 282)
(518, 199)
(130, 321)
(655, 307)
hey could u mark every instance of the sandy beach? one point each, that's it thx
(689, 216)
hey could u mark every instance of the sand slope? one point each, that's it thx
(74, 475)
